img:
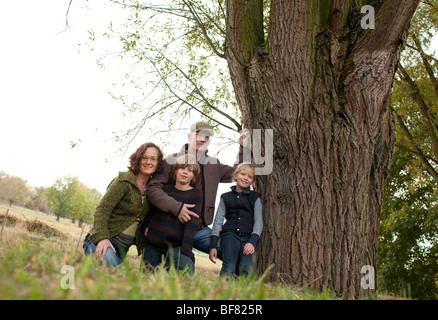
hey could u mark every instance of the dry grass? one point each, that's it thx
(34, 248)
(40, 223)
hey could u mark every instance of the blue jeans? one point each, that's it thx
(153, 256)
(201, 241)
(111, 258)
(232, 254)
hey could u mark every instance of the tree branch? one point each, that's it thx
(401, 146)
(203, 30)
(197, 91)
(426, 63)
(66, 15)
(157, 8)
(414, 146)
(416, 95)
(392, 21)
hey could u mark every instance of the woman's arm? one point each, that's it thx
(109, 201)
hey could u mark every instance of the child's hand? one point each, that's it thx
(248, 249)
(213, 255)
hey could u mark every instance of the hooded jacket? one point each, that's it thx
(118, 209)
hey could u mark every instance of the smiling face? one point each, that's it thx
(244, 178)
(149, 161)
(146, 160)
(184, 176)
(185, 171)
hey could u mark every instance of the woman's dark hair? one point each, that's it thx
(135, 158)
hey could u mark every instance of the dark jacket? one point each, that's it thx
(239, 212)
(243, 214)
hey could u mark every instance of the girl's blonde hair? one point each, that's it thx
(242, 166)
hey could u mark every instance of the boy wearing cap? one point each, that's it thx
(212, 173)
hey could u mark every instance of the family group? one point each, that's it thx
(164, 206)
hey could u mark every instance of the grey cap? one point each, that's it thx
(202, 126)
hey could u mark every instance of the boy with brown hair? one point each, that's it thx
(166, 236)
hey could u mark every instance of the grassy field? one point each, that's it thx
(40, 259)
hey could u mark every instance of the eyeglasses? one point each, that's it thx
(151, 159)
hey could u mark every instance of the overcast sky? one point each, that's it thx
(53, 93)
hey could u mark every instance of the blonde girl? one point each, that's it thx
(242, 209)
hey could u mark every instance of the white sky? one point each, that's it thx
(52, 92)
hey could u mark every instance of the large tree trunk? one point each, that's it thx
(322, 83)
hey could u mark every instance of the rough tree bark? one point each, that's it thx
(322, 83)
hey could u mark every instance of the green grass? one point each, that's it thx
(32, 260)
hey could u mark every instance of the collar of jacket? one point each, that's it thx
(128, 176)
(246, 191)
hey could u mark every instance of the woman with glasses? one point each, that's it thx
(118, 219)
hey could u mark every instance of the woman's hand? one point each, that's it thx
(102, 246)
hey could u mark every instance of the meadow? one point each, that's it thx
(42, 258)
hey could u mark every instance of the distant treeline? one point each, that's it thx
(67, 197)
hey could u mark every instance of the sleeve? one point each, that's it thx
(157, 196)
(217, 224)
(191, 227)
(258, 223)
(109, 201)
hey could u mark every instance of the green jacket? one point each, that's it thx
(118, 209)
